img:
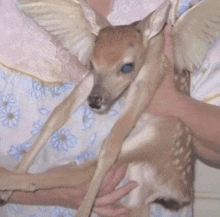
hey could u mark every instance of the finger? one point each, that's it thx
(108, 178)
(118, 176)
(111, 210)
(116, 194)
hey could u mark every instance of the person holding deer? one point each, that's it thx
(190, 111)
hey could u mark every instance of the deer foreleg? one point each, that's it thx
(140, 94)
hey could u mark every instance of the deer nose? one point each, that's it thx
(94, 101)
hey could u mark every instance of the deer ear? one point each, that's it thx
(95, 20)
(154, 23)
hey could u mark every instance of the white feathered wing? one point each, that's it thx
(195, 33)
(65, 19)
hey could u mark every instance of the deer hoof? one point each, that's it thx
(2, 202)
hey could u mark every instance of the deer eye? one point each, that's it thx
(127, 68)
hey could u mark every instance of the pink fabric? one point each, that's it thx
(25, 46)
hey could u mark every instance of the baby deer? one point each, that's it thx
(131, 59)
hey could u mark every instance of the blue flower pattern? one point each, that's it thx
(8, 100)
(9, 110)
(10, 116)
(113, 112)
(15, 209)
(38, 89)
(58, 212)
(88, 155)
(63, 140)
(184, 5)
(44, 111)
(92, 138)
(87, 117)
(2, 74)
(16, 151)
(57, 90)
(37, 127)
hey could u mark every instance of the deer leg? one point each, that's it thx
(72, 175)
(113, 144)
(57, 119)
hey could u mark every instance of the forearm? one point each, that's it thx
(206, 150)
(73, 197)
(42, 197)
(27, 198)
(202, 118)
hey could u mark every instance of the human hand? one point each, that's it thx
(166, 95)
(105, 203)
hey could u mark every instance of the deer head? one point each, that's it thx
(119, 54)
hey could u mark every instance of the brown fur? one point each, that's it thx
(121, 37)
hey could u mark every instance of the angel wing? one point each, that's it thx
(195, 32)
(65, 19)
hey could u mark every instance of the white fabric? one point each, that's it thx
(206, 81)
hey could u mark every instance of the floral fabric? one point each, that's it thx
(25, 105)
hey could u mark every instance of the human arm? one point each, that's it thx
(202, 118)
(72, 197)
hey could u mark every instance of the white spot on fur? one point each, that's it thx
(178, 126)
(187, 155)
(177, 144)
(180, 133)
(176, 153)
(188, 170)
(183, 80)
(180, 167)
(185, 182)
(189, 138)
(182, 88)
(183, 174)
(175, 77)
(181, 150)
(187, 129)
(176, 162)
